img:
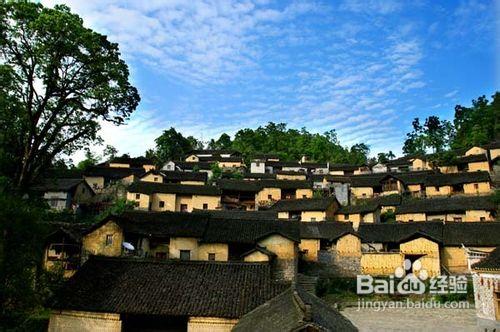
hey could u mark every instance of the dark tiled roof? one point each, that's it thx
(260, 249)
(492, 145)
(386, 200)
(418, 177)
(306, 204)
(403, 161)
(474, 158)
(259, 176)
(239, 185)
(172, 188)
(213, 152)
(383, 233)
(294, 310)
(239, 214)
(448, 204)
(364, 207)
(189, 165)
(52, 184)
(162, 224)
(248, 231)
(173, 288)
(286, 184)
(370, 180)
(324, 230)
(310, 165)
(343, 167)
(265, 156)
(291, 173)
(179, 175)
(283, 164)
(59, 173)
(489, 263)
(331, 178)
(133, 162)
(472, 233)
(113, 173)
(451, 179)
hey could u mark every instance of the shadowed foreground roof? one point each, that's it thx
(149, 188)
(174, 288)
(294, 310)
(448, 204)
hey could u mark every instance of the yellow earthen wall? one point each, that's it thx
(312, 246)
(479, 166)
(301, 193)
(380, 264)
(183, 243)
(483, 188)
(348, 246)
(476, 215)
(309, 215)
(290, 177)
(443, 191)
(212, 201)
(475, 150)
(84, 321)
(220, 250)
(210, 324)
(256, 256)
(95, 243)
(283, 248)
(406, 217)
(359, 191)
(142, 202)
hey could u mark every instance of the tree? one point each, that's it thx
(109, 152)
(222, 143)
(171, 145)
(435, 134)
(477, 125)
(91, 159)
(58, 80)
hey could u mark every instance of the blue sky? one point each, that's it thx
(364, 68)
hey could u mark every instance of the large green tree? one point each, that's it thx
(172, 145)
(434, 134)
(58, 79)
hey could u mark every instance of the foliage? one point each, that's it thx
(388, 217)
(91, 159)
(477, 125)
(119, 206)
(383, 157)
(58, 80)
(434, 134)
(172, 145)
(223, 143)
(216, 173)
(471, 126)
(109, 152)
(22, 235)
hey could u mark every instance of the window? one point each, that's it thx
(304, 196)
(185, 255)
(482, 219)
(305, 251)
(410, 220)
(257, 164)
(83, 190)
(313, 219)
(184, 207)
(109, 239)
(437, 189)
(211, 256)
(364, 195)
(155, 179)
(346, 216)
(476, 186)
(205, 206)
(269, 196)
(137, 196)
(457, 219)
(95, 186)
(161, 204)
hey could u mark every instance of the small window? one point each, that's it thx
(482, 219)
(109, 239)
(269, 196)
(137, 196)
(257, 164)
(364, 195)
(410, 220)
(83, 190)
(184, 207)
(161, 204)
(305, 251)
(346, 216)
(95, 186)
(457, 219)
(211, 256)
(205, 206)
(476, 186)
(185, 255)
(155, 179)
(304, 196)
(313, 219)
(437, 189)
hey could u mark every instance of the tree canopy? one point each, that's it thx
(471, 126)
(58, 79)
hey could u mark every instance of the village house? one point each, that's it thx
(189, 166)
(275, 190)
(386, 203)
(238, 194)
(100, 177)
(367, 212)
(225, 159)
(191, 178)
(259, 176)
(373, 185)
(473, 183)
(258, 163)
(337, 185)
(153, 196)
(486, 279)
(455, 209)
(347, 169)
(128, 162)
(308, 209)
(63, 193)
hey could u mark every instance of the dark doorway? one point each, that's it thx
(148, 323)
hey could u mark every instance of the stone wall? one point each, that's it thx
(485, 286)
